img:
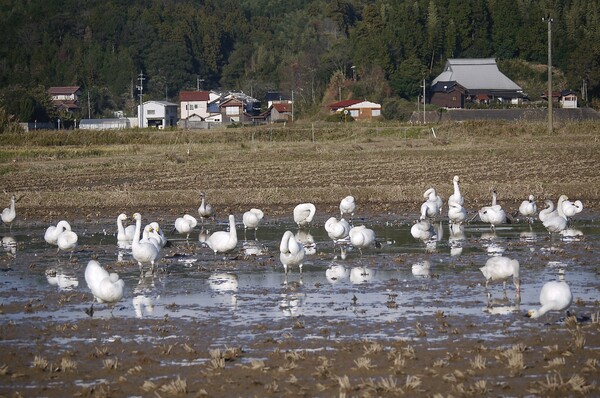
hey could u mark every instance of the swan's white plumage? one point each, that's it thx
(337, 229)
(106, 287)
(291, 252)
(456, 197)
(143, 251)
(124, 234)
(494, 214)
(304, 213)
(67, 240)
(553, 219)
(347, 206)
(9, 214)
(569, 208)
(499, 268)
(52, 232)
(252, 218)
(185, 224)
(361, 237)
(422, 230)
(205, 210)
(157, 233)
(223, 241)
(432, 207)
(456, 213)
(554, 296)
(528, 208)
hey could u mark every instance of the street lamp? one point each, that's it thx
(549, 20)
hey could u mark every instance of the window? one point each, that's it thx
(354, 112)
(232, 110)
(150, 112)
(376, 112)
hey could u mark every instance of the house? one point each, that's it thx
(65, 98)
(159, 114)
(272, 98)
(196, 103)
(359, 110)
(448, 95)
(568, 99)
(280, 112)
(237, 107)
(481, 79)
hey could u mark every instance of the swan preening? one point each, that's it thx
(337, 230)
(569, 208)
(528, 208)
(423, 230)
(304, 214)
(223, 241)
(143, 251)
(347, 206)
(499, 268)
(9, 214)
(252, 219)
(432, 207)
(291, 252)
(494, 214)
(185, 225)
(553, 219)
(554, 296)
(361, 237)
(52, 232)
(106, 287)
(205, 209)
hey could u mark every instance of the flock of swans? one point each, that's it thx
(147, 243)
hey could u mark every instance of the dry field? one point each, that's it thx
(385, 167)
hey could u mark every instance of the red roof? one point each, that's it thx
(63, 90)
(282, 107)
(344, 104)
(194, 96)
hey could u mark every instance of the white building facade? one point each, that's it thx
(158, 114)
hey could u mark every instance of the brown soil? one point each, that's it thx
(386, 175)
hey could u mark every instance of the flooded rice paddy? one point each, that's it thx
(392, 292)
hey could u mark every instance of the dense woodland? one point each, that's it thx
(322, 50)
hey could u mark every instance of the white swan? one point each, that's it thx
(456, 214)
(291, 252)
(9, 214)
(304, 213)
(205, 210)
(361, 237)
(456, 197)
(569, 208)
(494, 214)
(432, 207)
(185, 224)
(252, 219)
(67, 240)
(347, 206)
(553, 219)
(554, 296)
(422, 230)
(124, 234)
(500, 268)
(106, 287)
(528, 208)
(143, 251)
(157, 233)
(223, 241)
(337, 230)
(52, 232)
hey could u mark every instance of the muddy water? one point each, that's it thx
(381, 291)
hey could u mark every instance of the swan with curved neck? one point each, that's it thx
(9, 214)
(252, 219)
(361, 237)
(205, 210)
(106, 287)
(553, 219)
(432, 207)
(501, 268)
(291, 252)
(304, 214)
(185, 224)
(52, 232)
(223, 241)
(528, 208)
(456, 197)
(124, 234)
(569, 208)
(554, 296)
(143, 251)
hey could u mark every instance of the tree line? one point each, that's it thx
(322, 50)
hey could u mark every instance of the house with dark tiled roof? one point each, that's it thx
(65, 98)
(448, 94)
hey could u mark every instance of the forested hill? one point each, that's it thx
(377, 49)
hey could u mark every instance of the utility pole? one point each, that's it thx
(292, 106)
(89, 107)
(423, 100)
(140, 88)
(549, 20)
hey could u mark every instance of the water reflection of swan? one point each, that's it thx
(9, 244)
(143, 300)
(456, 240)
(528, 236)
(503, 306)
(421, 268)
(307, 240)
(488, 241)
(336, 273)
(571, 234)
(223, 282)
(361, 275)
(106, 287)
(253, 248)
(61, 280)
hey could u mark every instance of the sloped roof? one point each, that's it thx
(283, 107)
(476, 74)
(194, 96)
(67, 90)
(445, 87)
(344, 104)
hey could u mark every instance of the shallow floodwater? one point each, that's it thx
(383, 289)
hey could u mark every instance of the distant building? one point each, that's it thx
(65, 98)
(105, 124)
(359, 110)
(159, 114)
(568, 99)
(448, 95)
(481, 79)
(276, 98)
(280, 112)
(196, 103)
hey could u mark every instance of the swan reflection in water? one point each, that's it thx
(489, 241)
(225, 283)
(307, 240)
(361, 275)
(9, 244)
(292, 300)
(571, 235)
(503, 306)
(456, 239)
(64, 281)
(253, 248)
(145, 296)
(336, 273)
(421, 268)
